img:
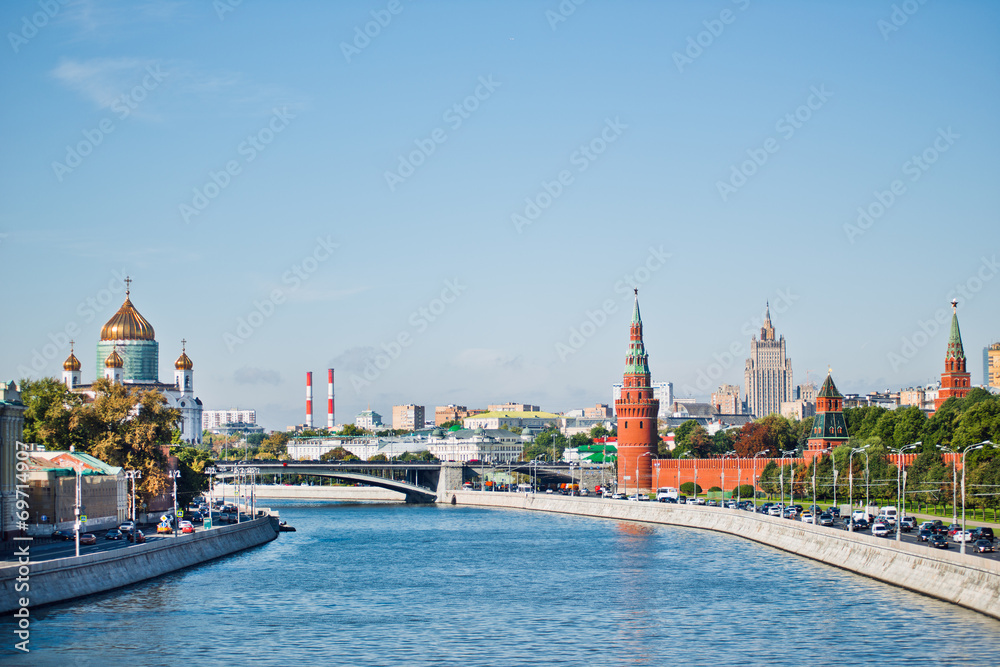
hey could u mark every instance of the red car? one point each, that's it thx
(88, 538)
(136, 536)
(186, 527)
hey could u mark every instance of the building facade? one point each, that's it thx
(768, 374)
(637, 411)
(369, 419)
(955, 381)
(408, 417)
(215, 418)
(480, 444)
(727, 400)
(513, 407)
(495, 420)
(991, 366)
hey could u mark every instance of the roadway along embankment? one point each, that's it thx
(964, 580)
(46, 582)
(319, 492)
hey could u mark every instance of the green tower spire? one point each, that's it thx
(955, 350)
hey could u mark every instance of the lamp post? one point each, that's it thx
(815, 508)
(174, 474)
(899, 491)
(954, 483)
(850, 478)
(722, 474)
(968, 449)
(133, 475)
(639, 456)
(791, 474)
(210, 471)
(756, 476)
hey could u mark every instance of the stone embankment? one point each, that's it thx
(347, 493)
(67, 578)
(965, 580)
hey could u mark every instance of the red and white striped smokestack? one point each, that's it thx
(309, 399)
(329, 398)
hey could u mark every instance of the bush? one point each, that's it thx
(714, 489)
(687, 488)
(744, 491)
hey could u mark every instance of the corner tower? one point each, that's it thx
(955, 381)
(829, 428)
(636, 410)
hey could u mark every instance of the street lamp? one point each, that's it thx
(850, 478)
(815, 508)
(639, 456)
(210, 471)
(694, 489)
(174, 474)
(133, 475)
(968, 449)
(722, 474)
(791, 474)
(954, 483)
(756, 477)
(899, 491)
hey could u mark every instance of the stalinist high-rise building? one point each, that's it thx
(768, 375)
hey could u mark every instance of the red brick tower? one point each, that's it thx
(955, 381)
(636, 410)
(829, 428)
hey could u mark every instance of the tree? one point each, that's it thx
(688, 488)
(580, 440)
(255, 439)
(768, 480)
(275, 446)
(353, 429)
(335, 454)
(451, 422)
(49, 407)
(128, 428)
(724, 440)
(772, 434)
(980, 421)
(192, 481)
(378, 457)
(598, 431)
(909, 428)
(544, 443)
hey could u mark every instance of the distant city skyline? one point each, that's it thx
(455, 207)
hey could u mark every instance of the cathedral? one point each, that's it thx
(129, 354)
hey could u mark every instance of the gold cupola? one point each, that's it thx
(183, 362)
(127, 323)
(114, 360)
(71, 363)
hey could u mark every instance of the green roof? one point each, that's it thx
(955, 350)
(829, 389)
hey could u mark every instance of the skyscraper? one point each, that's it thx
(991, 365)
(955, 381)
(768, 374)
(636, 409)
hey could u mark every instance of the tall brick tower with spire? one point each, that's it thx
(955, 381)
(829, 428)
(636, 410)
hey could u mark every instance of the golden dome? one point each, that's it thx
(127, 324)
(114, 360)
(71, 363)
(183, 362)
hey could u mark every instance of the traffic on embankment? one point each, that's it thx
(30, 581)
(961, 579)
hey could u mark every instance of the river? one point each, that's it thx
(389, 584)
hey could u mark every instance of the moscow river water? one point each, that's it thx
(388, 584)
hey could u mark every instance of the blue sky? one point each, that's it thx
(461, 203)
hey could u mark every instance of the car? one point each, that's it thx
(127, 526)
(983, 534)
(826, 519)
(638, 497)
(938, 542)
(774, 510)
(962, 536)
(64, 535)
(682, 500)
(164, 528)
(114, 534)
(926, 525)
(692, 501)
(925, 534)
(835, 511)
(954, 528)
(807, 517)
(860, 524)
(136, 536)
(88, 538)
(186, 527)
(880, 529)
(711, 503)
(983, 546)
(908, 523)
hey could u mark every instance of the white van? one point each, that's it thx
(667, 492)
(890, 513)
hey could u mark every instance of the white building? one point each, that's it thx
(512, 419)
(369, 419)
(215, 418)
(479, 444)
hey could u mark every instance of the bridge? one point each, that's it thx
(350, 472)
(419, 481)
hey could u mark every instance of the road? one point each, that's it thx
(52, 550)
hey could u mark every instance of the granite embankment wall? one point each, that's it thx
(968, 581)
(275, 492)
(67, 578)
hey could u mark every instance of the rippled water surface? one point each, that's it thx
(380, 584)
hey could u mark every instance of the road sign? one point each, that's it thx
(83, 518)
(207, 524)
(164, 518)
(180, 514)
